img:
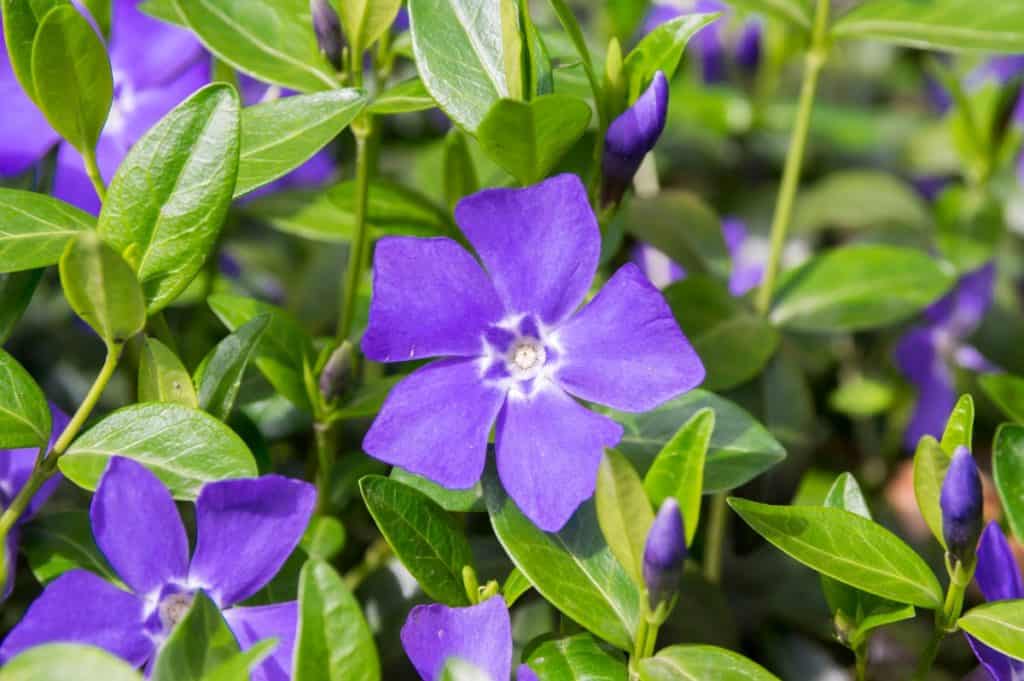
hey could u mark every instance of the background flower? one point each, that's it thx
(998, 577)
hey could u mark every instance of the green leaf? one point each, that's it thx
(678, 470)
(699, 662)
(516, 584)
(458, 49)
(699, 248)
(457, 500)
(168, 200)
(661, 50)
(238, 667)
(16, 290)
(57, 542)
(102, 289)
(846, 547)
(281, 135)
(576, 658)
(998, 625)
(220, 375)
(35, 228)
(460, 177)
(163, 378)
(733, 343)
(198, 644)
(271, 40)
(67, 662)
(185, 448)
(101, 12)
(573, 569)
(740, 449)
(73, 83)
(623, 512)
(799, 13)
(423, 536)
(572, 28)
(1008, 469)
(324, 538)
(861, 396)
(333, 641)
(24, 414)
(406, 97)
(931, 462)
(20, 22)
(1007, 392)
(960, 425)
(859, 199)
(954, 25)
(365, 21)
(859, 287)
(528, 138)
(284, 349)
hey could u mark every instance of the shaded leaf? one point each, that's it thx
(35, 228)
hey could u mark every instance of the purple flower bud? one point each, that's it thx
(664, 553)
(335, 375)
(328, 30)
(748, 49)
(631, 136)
(961, 502)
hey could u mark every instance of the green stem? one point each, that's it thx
(375, 556)
(861, 655)
(817, 55)
(92, 169)
(325, 462)
(360, 242)
(714, 545)
(47, 466)
(946, 619)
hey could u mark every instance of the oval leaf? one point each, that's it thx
(1008, 468)
(163, 378)
(623, 512)
(20, 23)
(998, 625)
(1006, 391)
(576, 658)
(406, 97)
(686, 662)
(24, 414)
(220, 375)
(365, 20)
(661, 50)
(35, 228)
(67, 662)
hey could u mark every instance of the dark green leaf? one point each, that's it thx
(58, 542)
(699, 662)
(168, 200)
(422, 535)
(576, 658)
(163, 378)
(24, 414)
(1008, 469)
(623, 511)
(35, 228)
(406, 97)
(220, 375)
(16, 290)
(998, 625)
(859, 199)
(185, 448)
(198, 644)
(661, 50)
(1007, 391)
(67, 662)
(366, 20)
(698, 248)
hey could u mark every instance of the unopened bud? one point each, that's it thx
(328, 30)
(335, 375)
(961, 501)
(631, 136)
(664, 554)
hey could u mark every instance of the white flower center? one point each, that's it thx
(173, 609)
(526, 358)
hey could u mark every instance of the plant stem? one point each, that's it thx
(960, 577)
(718, 520)
(359, 245)
(861, 655)
(325, 462)
(46, 466)
(815, 59)
(92, 169)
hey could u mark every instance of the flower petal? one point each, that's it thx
(524, 673)
(549, 447)
(25, 136)
(625, 349)
(430, 298)
(632, 135)
(245, 530)
(918, 359)
(961, 310)
(137, 526)
(998, 575)
(480, 634)
(999, 666)
(148, 53)
(79, 607)
(436, 421)
(252, 625)
(540, 244)
(71, 184)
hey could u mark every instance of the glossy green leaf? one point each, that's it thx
(1007, 392)
(284, 348)
(661, 50)
(740, 449)
(733, 343)
(67, 662)
(998, 625)
(333, 641)
(101, 12)
(959, 430)
(699, 248)
(678, 470)
(163, 378)
(220, 375)
(1008, 469)
(16, 291)
(24, 414)
(457, 500)
(102, 289)
(576, 658)
(238, 666)
(405, 97)
(281, 135)
(73, 83)
(516, 584)
(573, 569)
(528, 138)
(324, 538)
(423, 536)
(860, 199)
(623, 512)
(846, 547)
(168, 200)
(185, 448)
(458, 48)
(700, 662)
(57, 542)
(937, 24)
(198, 644)
(364, 21)
(272, 40)
(858, 287)
(35, 228)
(931, 462)
(21, 20)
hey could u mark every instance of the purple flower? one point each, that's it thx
(245, 530)
(155, 66)
(961, 502)
(514, 348)
(660, 269)
(926, 353)
(998, 576)
(480, 635)
(16, 467)
(664, 554)
(631, 136)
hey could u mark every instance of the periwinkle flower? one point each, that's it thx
(245, 528)
(480, 635)
(961, 501)
(664, 554)
(998, 576)
(16, 467)
(927, 353)
(631, 136)
(514, 348)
